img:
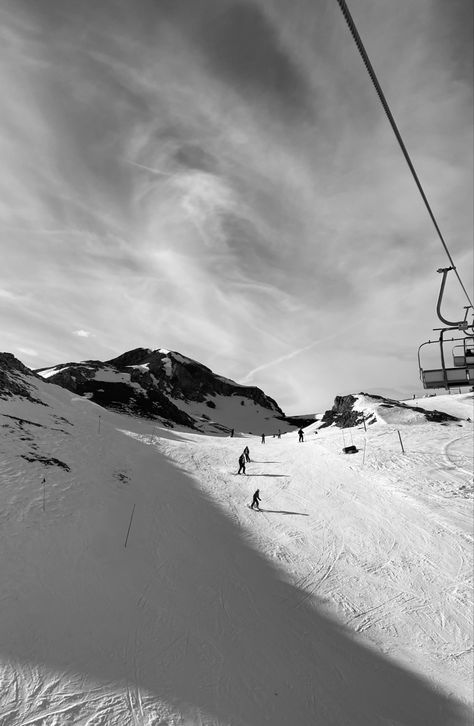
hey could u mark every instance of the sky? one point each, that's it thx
(218, 177)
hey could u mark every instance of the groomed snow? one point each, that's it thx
(348, 600)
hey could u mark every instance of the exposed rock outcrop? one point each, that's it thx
(16, 379)
(167, 385)
(348, 411)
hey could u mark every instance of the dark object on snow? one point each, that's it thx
(247, 453)
(350, 449)
(263, 438)
(231, 433)
(241, 464)
(301, 436)
(256, 500)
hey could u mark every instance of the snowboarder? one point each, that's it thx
(263, 438)
(256, 500)
(241, 464)
(247, 453)
(301, 436)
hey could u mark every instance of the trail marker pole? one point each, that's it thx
(129, 526)
(365, 427)
(401, 442)
(44, 494)
(153, 435)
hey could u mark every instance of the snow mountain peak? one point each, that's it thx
(168, 386)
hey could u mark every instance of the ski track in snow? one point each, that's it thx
(384, 547)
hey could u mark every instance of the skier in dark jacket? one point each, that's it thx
(263, 438)
(256, 500)
(247, 453)
(241, 464)
(301, 436)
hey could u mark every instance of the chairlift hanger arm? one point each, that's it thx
(460, 323)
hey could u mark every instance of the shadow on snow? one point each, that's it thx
(192, 613)
(281, 511)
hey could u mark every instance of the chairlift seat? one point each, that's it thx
(455, 377)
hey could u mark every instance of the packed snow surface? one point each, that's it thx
(346, 601)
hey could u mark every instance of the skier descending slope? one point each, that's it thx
(241, 464)
(256, 500)
(301, 436)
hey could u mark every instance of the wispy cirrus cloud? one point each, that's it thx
(220, 176)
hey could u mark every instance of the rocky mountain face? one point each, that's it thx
(16, 379)
(351, 410)
(168, 386)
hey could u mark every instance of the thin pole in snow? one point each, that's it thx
(44, 494)
(153, 435)
(98, 428)
(363, 457)
(365, 427)
(129, 526)
(401, 442)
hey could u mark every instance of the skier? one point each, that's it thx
(247, 453)
(241, 464)
(301, 436)
(256, 500)
(263, 438)
(231, 433)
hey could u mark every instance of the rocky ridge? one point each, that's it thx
(171, 387)
(16, 379)
(349, 411)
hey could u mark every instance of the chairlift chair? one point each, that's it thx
(462, 371)
(459, 375)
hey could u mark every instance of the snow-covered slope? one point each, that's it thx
(363, 408)
(460, 405)
(347, 600)
(174, 389)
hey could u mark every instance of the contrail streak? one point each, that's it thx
(292, 354)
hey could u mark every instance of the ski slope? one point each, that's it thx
(347, 600)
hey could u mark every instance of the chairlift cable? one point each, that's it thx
(350, 22)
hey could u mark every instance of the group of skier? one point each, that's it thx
(278, 435)
(244, 459)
